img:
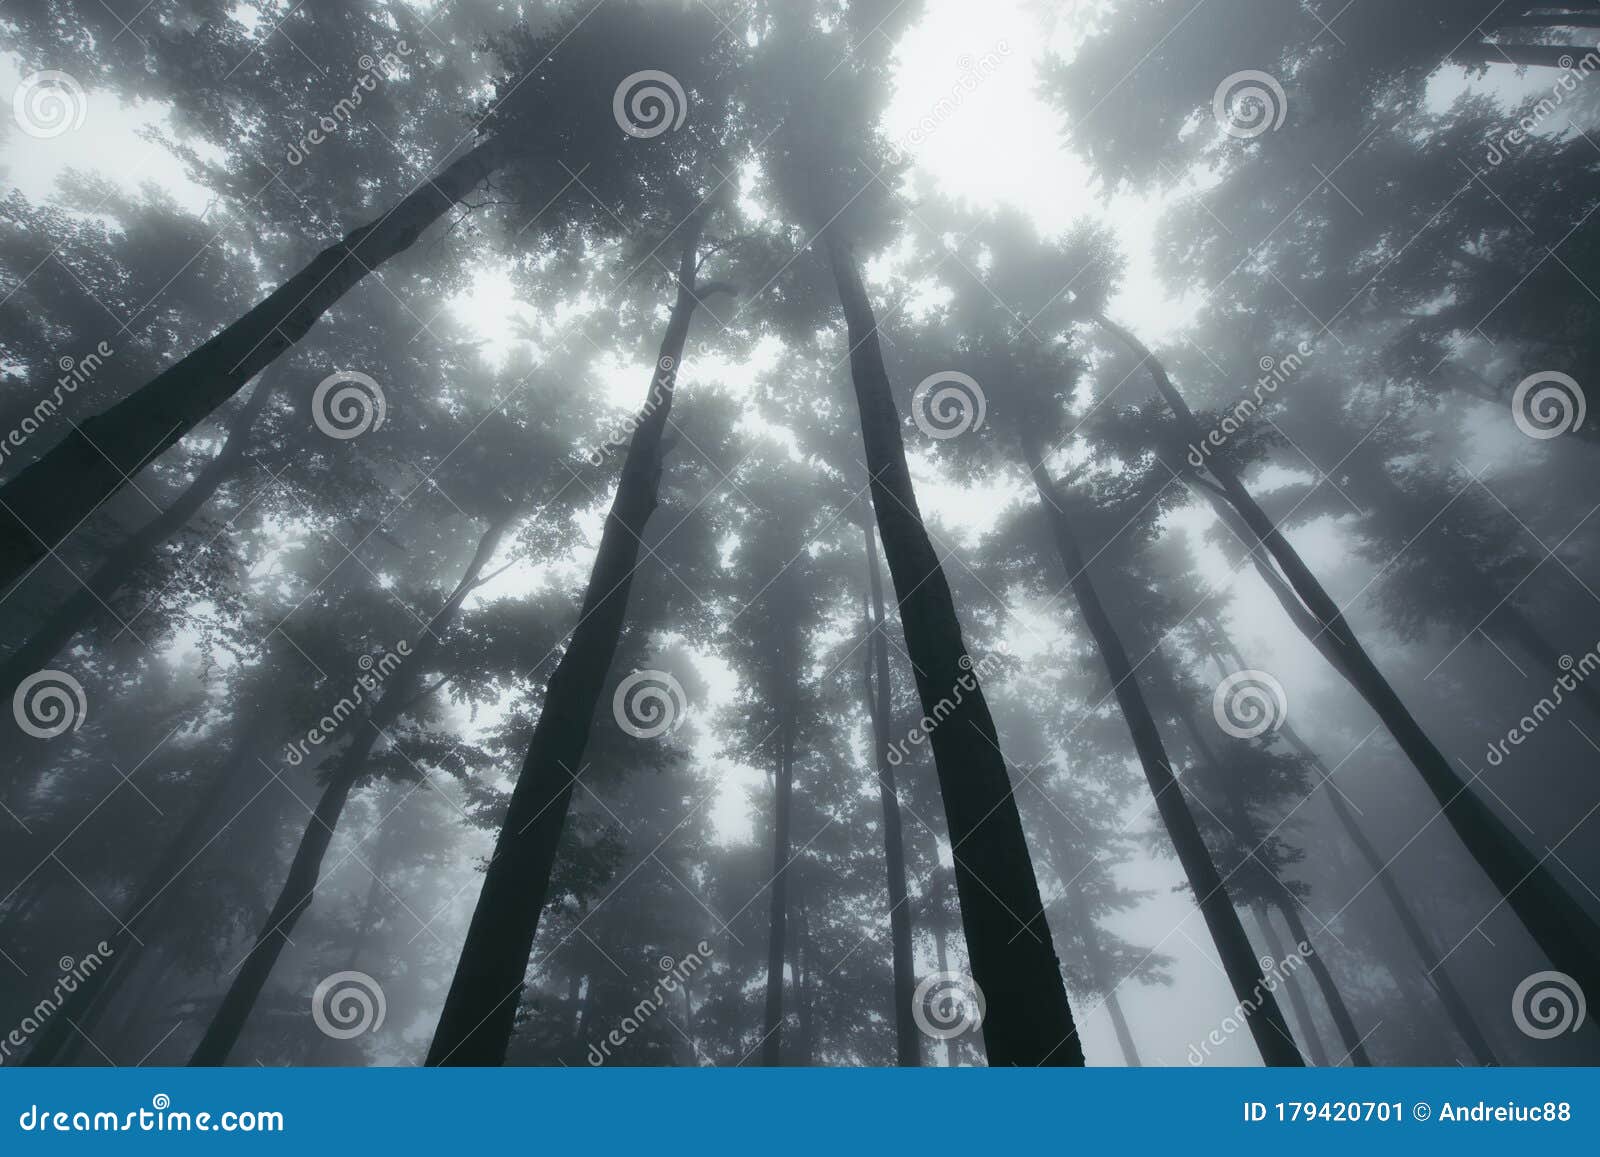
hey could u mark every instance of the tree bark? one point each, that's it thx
(1291, 984)
(92, 596)
(908, 1045)
(1028, 1020)
(782, 814)
(300, 887)
(476, 1023)
(1563, 928)
(1354, 1048)
(1267, 1026)
(46, 501)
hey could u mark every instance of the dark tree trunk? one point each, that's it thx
(43, 503)
(479, 1011)
(1028, 1020)
(1291, 985)
(92, 597)
(939, 929)
(78, 1015)
(1267, 1026)
(1567, 933)
(782, 815)
(300, 887)
(908, 1045)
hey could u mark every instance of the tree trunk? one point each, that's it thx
(300, 887)
(476, 1023)
(45, 502)
(94, 595)
(1291, 984)
(1028, 1020)
(937, 896)
(1355, 1051)
(1239, 962)
(1567, 933)
(908, 1045)
(782, 813)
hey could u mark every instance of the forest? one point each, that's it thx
(799, 533)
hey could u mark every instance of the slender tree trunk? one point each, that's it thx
(91, 598)
(805, 1055)
(782, 814)
(82, 1010)
(1028, 1020)
(1563, 928)
(1267, 1026)
(1354, 1048)
(908, 1045)
(300, 887)
(1291, 984)
(43, 503)
(480, 1009)
(939, 929)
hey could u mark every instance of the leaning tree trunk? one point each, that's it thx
(1291, 984)
(94, 594)
(43, 503)
(300, 887)
(908, 1045)
(936, 897)
(1355, 1049)
(1028, 1020)
(1566, 932)
(782, 816)
(1267, 1026)
(476, 1023)
(80, 1012)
